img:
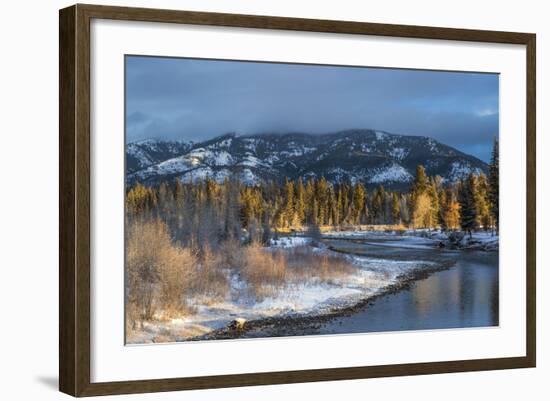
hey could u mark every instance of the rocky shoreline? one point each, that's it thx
(460, 240)
(453, 240)
(303, 324)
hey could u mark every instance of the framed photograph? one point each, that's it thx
(249, 200)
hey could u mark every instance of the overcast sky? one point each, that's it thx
(190, 99)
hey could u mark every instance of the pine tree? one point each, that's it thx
(210, 190)
(404, 204)
(309, 196)
(366, 208)
(321, 194)
(378, 205)
(466, 200)
(179, 193)
(315, 212)
(279, 212)
(334, 216)
(387, 208)
(434, 202)
(422, 216)
(289, 203)
(346, 210)
(481, 194)
(420, 184)
(443, 203)
(419, 187)
(165, 196)
(300, 203)
(359, 194)
(339, 205)
(449, 210)
(493, 183)
(396, 210)
(233, 201)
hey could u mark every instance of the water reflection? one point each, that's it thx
(464, 296)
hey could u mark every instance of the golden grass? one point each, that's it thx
(269, 272)
(304, 264)
(345, 227)
(264, 272)
(165, 279)
(211, 279)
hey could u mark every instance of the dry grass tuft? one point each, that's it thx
(211, 278)
(304, 264)
(264, 272)
(163, 277)
(269, 272)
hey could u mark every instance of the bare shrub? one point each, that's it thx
(158, 273)
(304, 264)
(177, 271)
(231, 253)
(145, 242)
(211, 276)
(264, 272)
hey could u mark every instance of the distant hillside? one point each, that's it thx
(371, 157)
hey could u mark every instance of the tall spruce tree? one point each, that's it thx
(289, 203)
(481, 194)
(493, 183)
(466, 199)
(321, 193)
(395, 209)
(419, 187)
(378, 205)
(300, 206)
(434, 202)
(420, 184)
(443, 204)
(358, 202)
(309, 197)
(333, 207)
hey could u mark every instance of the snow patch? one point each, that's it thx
(289, 242)
(392, 173)
(380, 136)
(399, 153)
(248, 177)
(460, 170)
(202, 173)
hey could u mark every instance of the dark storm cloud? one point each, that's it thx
(172, 98)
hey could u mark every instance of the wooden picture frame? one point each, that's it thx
(74, 199)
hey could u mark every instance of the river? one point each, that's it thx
(464, 295)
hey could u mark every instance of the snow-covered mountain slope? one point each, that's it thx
(371, 157)
(142, 154)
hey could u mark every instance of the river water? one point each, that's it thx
(465, 295)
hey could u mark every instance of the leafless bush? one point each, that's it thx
(145, 244)
(162, 277)
(159, 274)
(211, 276)
(231, 253)
(176, 275)
(267, 272)
(263, 271)
(304, 264)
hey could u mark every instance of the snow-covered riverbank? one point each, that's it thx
(423, 238)
(370, 277)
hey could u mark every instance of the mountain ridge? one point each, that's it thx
(373, 157)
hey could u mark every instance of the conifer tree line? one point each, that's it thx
(206, 211)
